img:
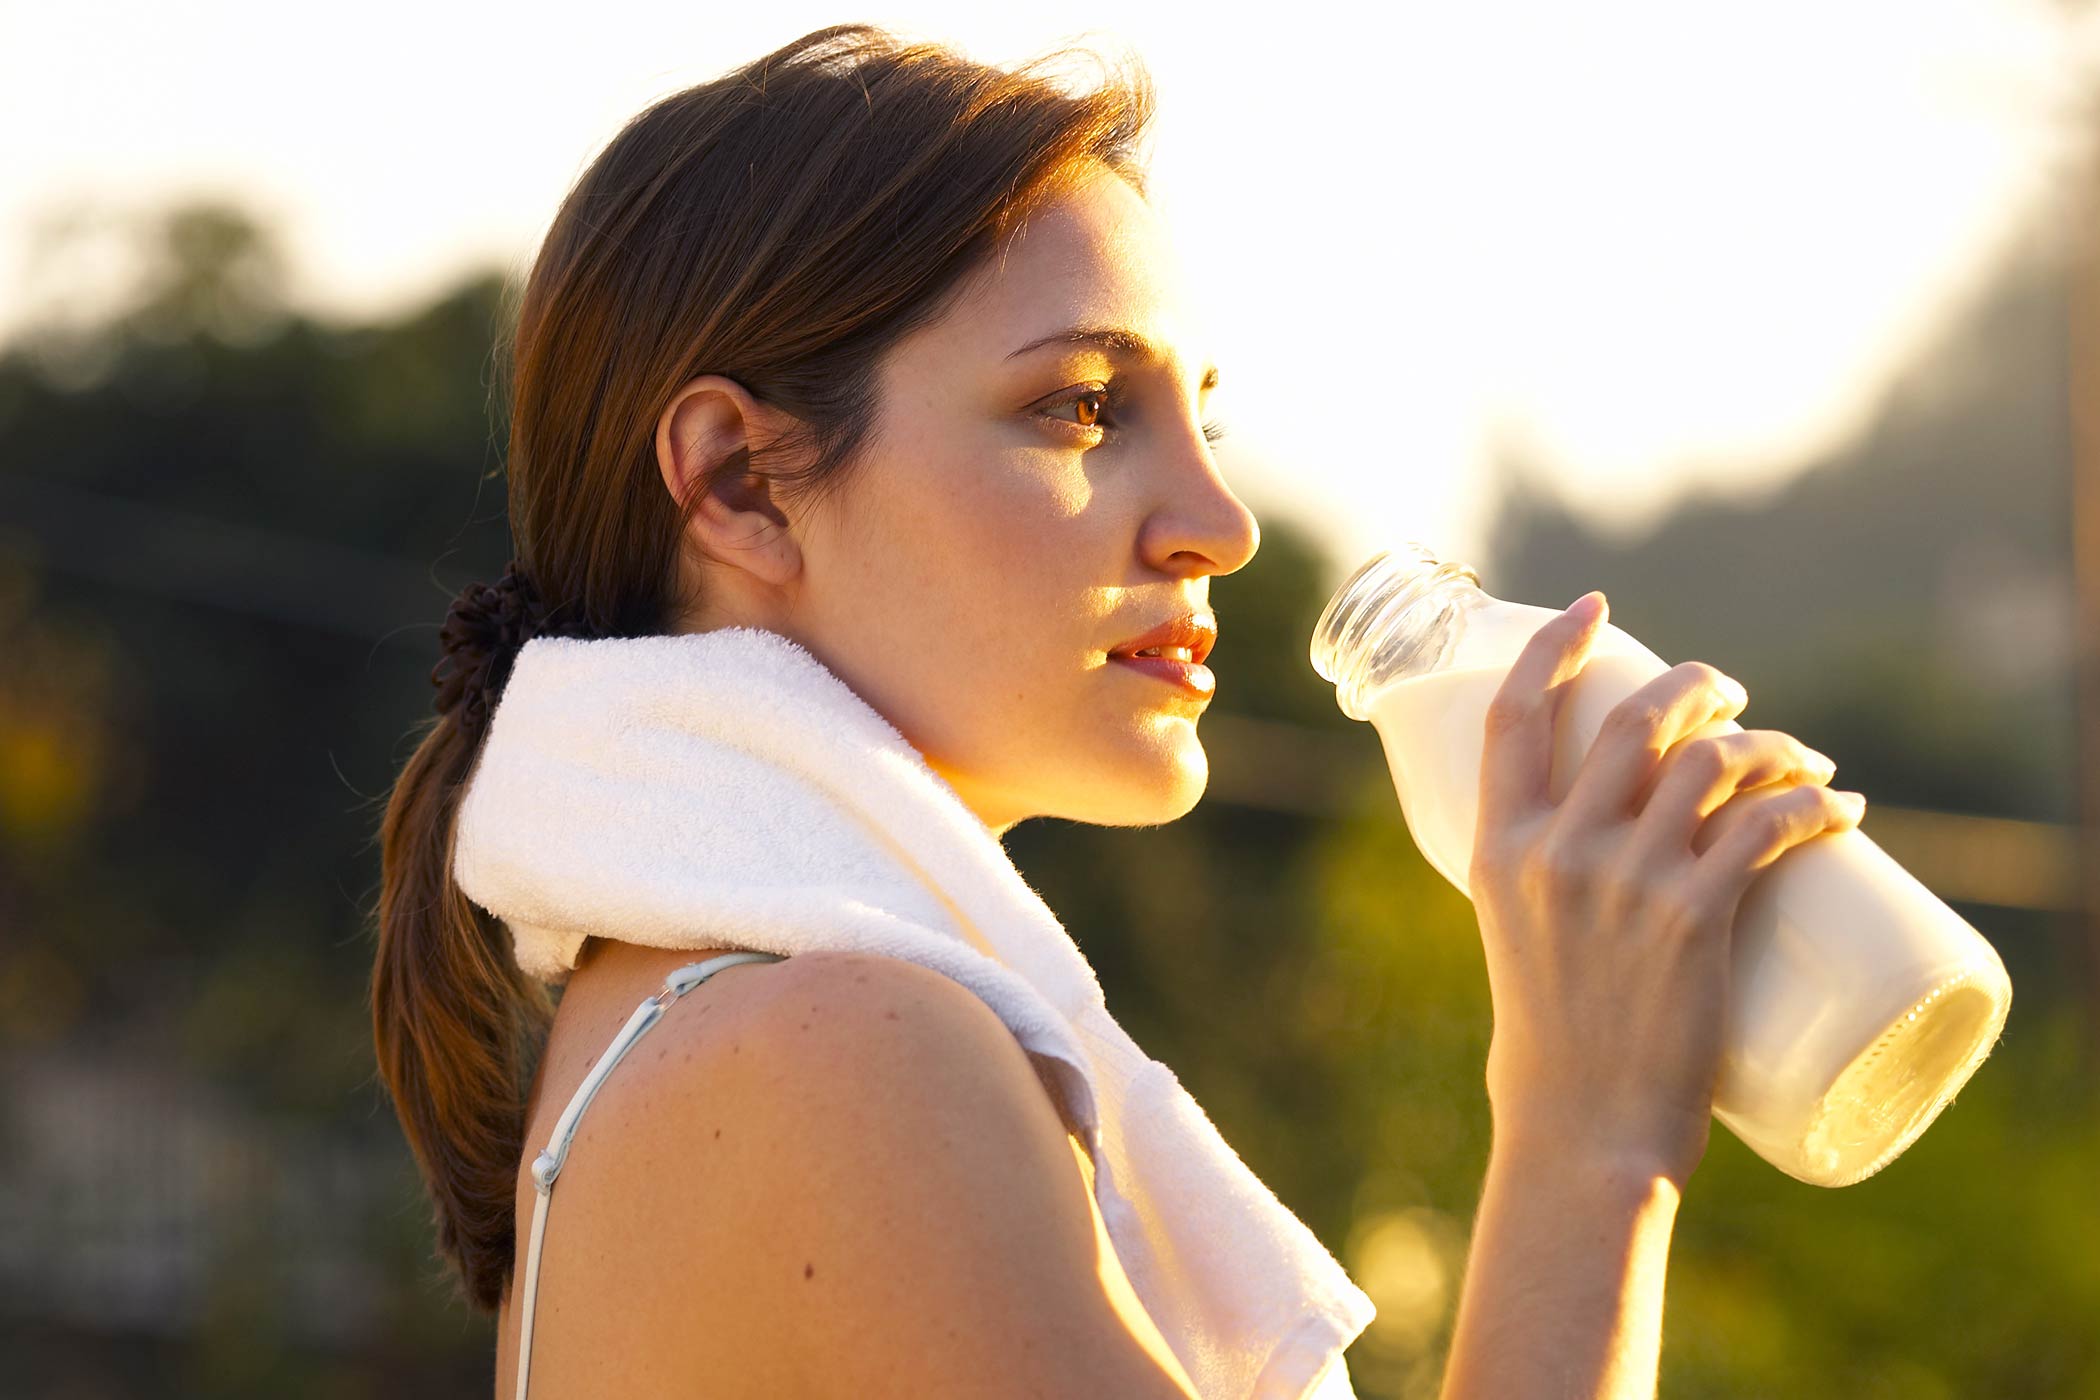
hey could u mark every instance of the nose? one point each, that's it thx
(1199, 526)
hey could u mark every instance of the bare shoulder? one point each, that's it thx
(861, 1163)
(835, 1031)
(822, 1038)
(837, 1062)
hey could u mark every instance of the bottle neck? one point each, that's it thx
(1397, 616)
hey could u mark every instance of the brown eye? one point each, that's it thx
(1093, 410)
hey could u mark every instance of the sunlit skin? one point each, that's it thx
(993, 547)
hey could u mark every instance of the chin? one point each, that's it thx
(1125, 798)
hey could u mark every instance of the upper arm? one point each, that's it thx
(899, 1207)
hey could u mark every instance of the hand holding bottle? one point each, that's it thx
(1606, 917)
(1672, 910)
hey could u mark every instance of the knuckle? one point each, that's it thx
(1773, 747)
(1679, 907)
(1563, 864)
(1648, 888)
(1703, 674)
(1635, 880)
(1718, 682)
(1567, 863)
(1708, 757)
(1507, 710)
(1828, 800)
(1635, 717)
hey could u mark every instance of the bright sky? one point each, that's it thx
(1658, 243)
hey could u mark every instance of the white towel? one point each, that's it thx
(727, 789)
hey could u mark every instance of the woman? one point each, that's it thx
(881, 350)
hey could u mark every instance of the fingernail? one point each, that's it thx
(1857, 801)
(1587, 606)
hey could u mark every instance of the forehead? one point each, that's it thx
(1097, 256)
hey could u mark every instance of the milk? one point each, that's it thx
(1859, 1003)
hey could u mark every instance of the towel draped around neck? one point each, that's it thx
(726, 789)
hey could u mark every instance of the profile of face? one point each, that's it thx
(1030, 502)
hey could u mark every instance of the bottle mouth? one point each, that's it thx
(1365, 636)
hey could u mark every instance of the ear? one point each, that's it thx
(710, 422)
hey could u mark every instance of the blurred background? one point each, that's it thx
(1780, 326)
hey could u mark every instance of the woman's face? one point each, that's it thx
(1020, 514)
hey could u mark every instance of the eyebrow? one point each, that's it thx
(1116, 340)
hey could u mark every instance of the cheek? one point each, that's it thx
(991, 535)
(969, 584)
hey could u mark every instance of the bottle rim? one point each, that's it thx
(1362, 620)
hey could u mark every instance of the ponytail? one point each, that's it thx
(456, 1023)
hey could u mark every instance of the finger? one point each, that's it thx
(1703, 771)
(1516, 759)
(1639, 730)
(1758, 828)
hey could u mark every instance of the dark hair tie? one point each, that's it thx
(484, 629)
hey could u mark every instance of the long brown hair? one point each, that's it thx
(784, 225)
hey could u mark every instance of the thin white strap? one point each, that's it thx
(547, 1166)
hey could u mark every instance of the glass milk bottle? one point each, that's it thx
(1858, 1004)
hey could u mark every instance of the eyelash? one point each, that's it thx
(1212, 431)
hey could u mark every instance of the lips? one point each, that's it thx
(1197, 630)
(1190, 677)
